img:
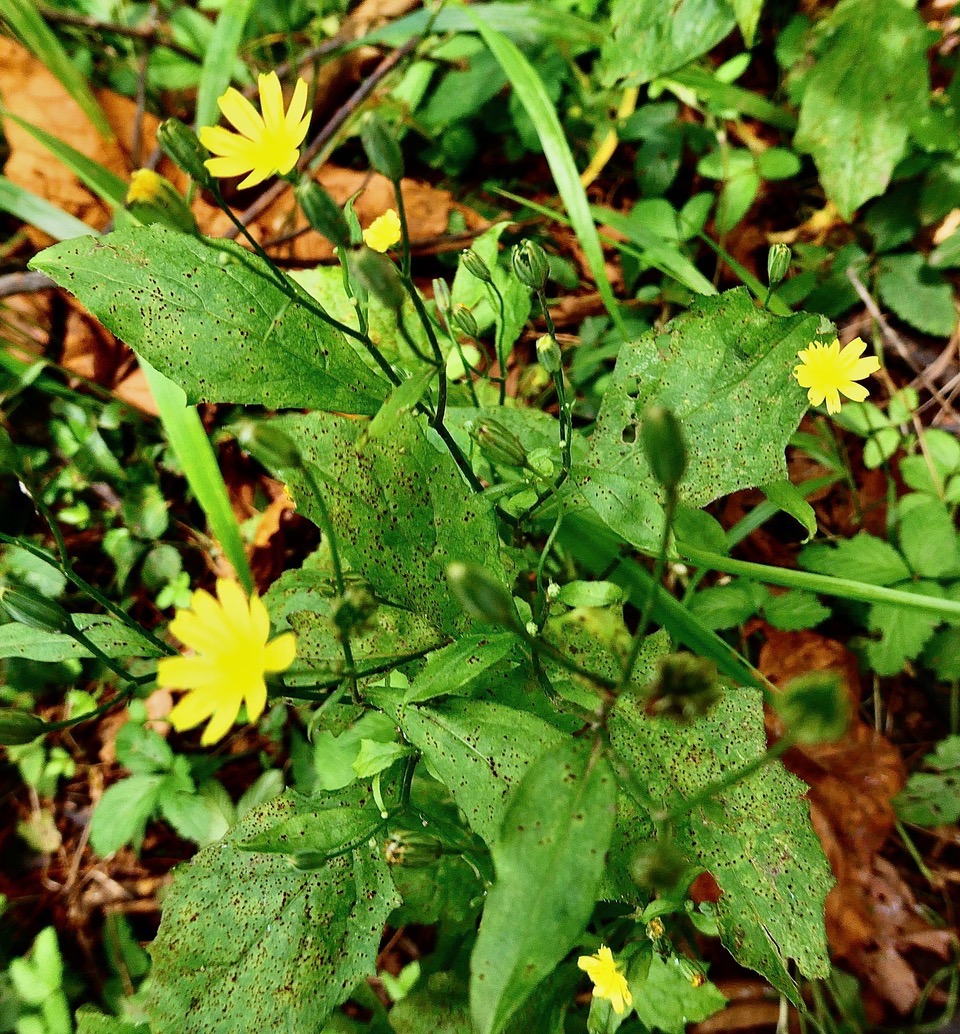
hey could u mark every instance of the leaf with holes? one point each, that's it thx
(248, 943)
(755, 838)
(400, 507)
(213, 318)
(725, 369)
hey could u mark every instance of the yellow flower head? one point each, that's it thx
(383, 232)
(829, 372)
(231, 656)
(608, 981)
(268, 141)
(145, 185)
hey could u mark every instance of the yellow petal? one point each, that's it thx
(236, 607)
(298, 105)
(279, 655)
(241, 113)
(864, 367)
(255, 698)
(287, 161)
(222, 142)
(257, 175)
(188, 627)
(833, 400)
(271, 101)
(219, 725)
(259, 619)
(186, 672)
(192, 710)
(856, 392)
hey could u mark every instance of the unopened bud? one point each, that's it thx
(30, 608)
(182, 146)
(153, 200)
(464, 320)
(656, 929)
(548, 354)
(441, 295)
(659, 866)
(474, 264)
(411, 850)
(322, 212)
(19, 727)
(814, 708)
(481, 596)
(499, 445)
(268, 445)
(383, 151)
(530, 264)
(778, 262)
(353, 611)
(686, 687)
(663, 445)
(379, 276)
(691, 970)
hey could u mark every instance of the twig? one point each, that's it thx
(24, 283)
(149, 34)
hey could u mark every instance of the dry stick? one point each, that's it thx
(24, 283)
(894, 338)
(326, 134)
(149, 34)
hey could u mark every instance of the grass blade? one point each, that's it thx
(39, 212)
(190, 443)
(533, 96)
(219, 61)
(28, 24)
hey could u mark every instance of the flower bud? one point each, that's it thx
(481, 596)
(9, 454)
(411, 850)
(353, 611)
(663, 445)
(659, 865)
(268, 445)
(548, 354)
(379, 276)
(383, 151)
(474, 264)
(686, 687)
(499, 445)
(778, 262)
(530, 264)
(322, 212)
(19, 727)
(153, 199)
(691, 970)
(30, 608)
(464, 320)
(182, 146)
(814, 708)
(441, 295)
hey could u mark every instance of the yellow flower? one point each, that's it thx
(827, 372)
(608, 981)
(145, 185)
(267, 143)
(231, 656)
(383, 232)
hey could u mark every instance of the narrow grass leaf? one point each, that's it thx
(39, 212)
(220, 59)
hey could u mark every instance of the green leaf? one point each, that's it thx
(440, 1006)
(668, 1001)
(928, 537)
(37, 211)
(533, 95)
(26, 21)
(900, 633)
(916, 293)
(461, 668)
(724, 369)
(219, 59)
(290, 945)
(864, 557)
(650, 39)
(98, 1023)
(723, 606)
(549, 858)
(795, 609)
(479, 750)
(788, 498)
(754, 838)
(400, 507)
(113, 637)
(933, 799)
(868, 87)
(942, 654)
(211, 316)
(123, 811)
(748, 14)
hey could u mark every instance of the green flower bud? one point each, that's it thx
(153, 199)
(354, 610)
(691, 970)
(778, 262)
(411, 850)
(464, 319)
(9, 454)
(549, 354)
(530, 264)
(481, 596)
(660, 866)
(663, 445)
(499, 445)
(474, 264)
(274, 448)
(30, 608)
(322, 212)
(814, 708)
(182, 146)
(383, 151)
(379, 276)
(19, 727)
(686, 687)
(441, 295)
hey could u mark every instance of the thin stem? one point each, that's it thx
(68, 723)
(499, 342)
(916, 856)
(117, 669)
(404, 232)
